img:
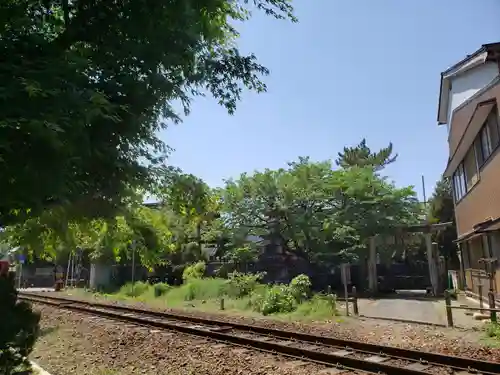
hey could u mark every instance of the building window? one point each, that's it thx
(470, 169)
(486, 142)
(459, 183)
(488, 138)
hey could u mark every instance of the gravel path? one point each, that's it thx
(399, 308)
(459, 342)
(417, 310)
(73, 343)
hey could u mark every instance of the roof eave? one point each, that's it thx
(470, 62)
(444, 94)
(464, 61)
(448, 172)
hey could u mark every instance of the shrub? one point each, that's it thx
(161, 289)
(194, 271)
(224, 270)
(134, 289)
(318, 307)
(190, 292)
(281, 298)
(493, 330)
(198, 289)
(300, 287)
(241, 284)
(19, 335)
(276, 299)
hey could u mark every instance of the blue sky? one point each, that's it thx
(349, 69)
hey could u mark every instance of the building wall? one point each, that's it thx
(495, 244)
(472, 280)
(469, 83)
(473, 251)
(463, 115)
(483, 200)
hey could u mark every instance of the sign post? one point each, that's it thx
(21, 259)
(59, 278)
(133, 265)
(345, 273)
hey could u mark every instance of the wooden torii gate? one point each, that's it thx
(432, 256)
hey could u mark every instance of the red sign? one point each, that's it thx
(4, 267)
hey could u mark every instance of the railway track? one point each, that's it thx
(342, 355)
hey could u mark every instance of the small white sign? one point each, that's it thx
(345, 273)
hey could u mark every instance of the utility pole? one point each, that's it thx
(133, 265)
(425, 198)
(68, 268)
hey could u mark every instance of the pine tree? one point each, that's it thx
(362, 156)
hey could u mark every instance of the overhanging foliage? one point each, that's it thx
(87, 85)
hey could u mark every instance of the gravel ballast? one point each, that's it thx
(74, 343)
(449, 341)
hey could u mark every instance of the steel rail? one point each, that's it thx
(339, 362)
(422, 360)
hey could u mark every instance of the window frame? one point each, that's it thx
(470, 169)
(495, 127)
(459, 182)
(484, 139)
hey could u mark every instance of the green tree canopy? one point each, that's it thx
(442, 210)
(315, 211)
(52, 236)
(190, 198)
(86, 86)
(309, 209)
(362, 156)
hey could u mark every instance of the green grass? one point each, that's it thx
(205, 295)
(317, 309)
(492, 331)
